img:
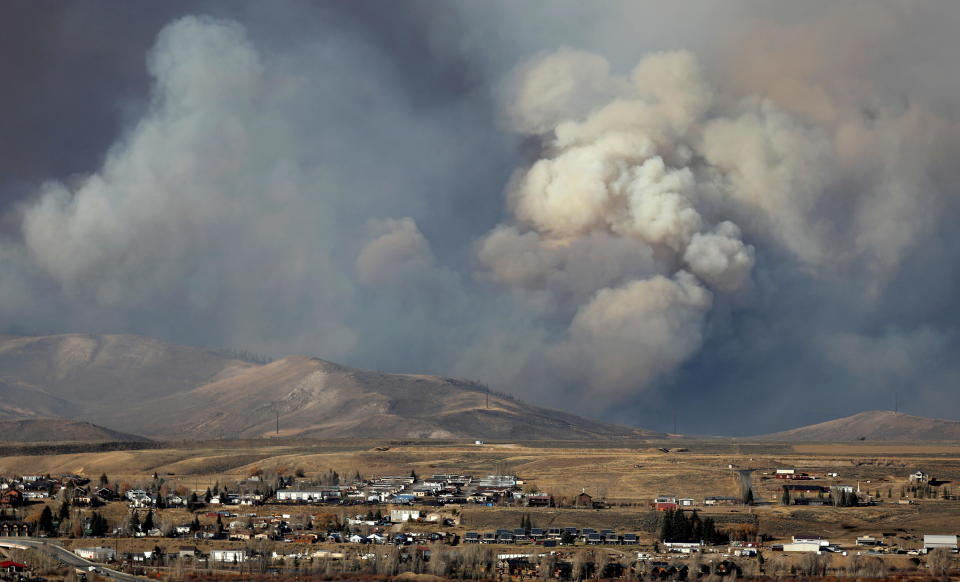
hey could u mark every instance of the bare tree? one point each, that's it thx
(939, 561)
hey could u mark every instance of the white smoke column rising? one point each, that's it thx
(630, 335)
(396, 248)
(205, 203)
(619, 172)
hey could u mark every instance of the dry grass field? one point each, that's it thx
(627, 474)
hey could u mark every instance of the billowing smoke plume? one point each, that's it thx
(660, 216)
(621, 222)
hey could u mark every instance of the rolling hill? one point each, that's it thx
(874, 425)
(55, 429)
(162, 390)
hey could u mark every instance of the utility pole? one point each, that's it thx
(488, 398)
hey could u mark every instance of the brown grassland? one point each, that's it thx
(625, 474)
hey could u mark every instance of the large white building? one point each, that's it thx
(228, 556)
(932, 542)
(300, 494)
(98, 554)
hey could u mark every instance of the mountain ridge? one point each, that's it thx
(873, 425)
(146, 386)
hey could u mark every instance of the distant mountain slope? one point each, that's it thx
(85, 372)
(874, 425)
(158, 389)
(56, 429)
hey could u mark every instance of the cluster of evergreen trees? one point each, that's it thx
(675, 526)
(50, 525)
(844, 498)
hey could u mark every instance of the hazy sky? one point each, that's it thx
(741, 211)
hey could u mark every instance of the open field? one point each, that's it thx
(627, 474)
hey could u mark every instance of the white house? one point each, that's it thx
(919, 477)
(228, 556)
(401, 515)
(97, 554)
(299, 495)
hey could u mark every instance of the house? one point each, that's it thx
(932, 542)
(666, 503)
(868, 541)
(539, 500)
(228, 556)
(11, 567)
(791, 474)
(920, 477)
(105, 494)
(402, 515)
(97, 554)
(14, 529)
(81, 496)
(11, 498)
(686, 502)
(299, 495)
(583, 500)
(720, 500)
(683, 547)
(184, 552)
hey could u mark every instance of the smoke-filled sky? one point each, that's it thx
(743, 211)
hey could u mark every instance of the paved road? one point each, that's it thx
(67, 557)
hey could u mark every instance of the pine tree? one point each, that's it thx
(785, 496)
(98, 525)
(104, 480)
(148, 521)
(134, 522)
(45, 523)
(195, 526)
(696, 527)
(64, 512)
(666, 526)
(681, 527)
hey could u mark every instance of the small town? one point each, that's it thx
(283, 524)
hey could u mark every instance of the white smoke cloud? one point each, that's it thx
(563, 84)
(630, 335)
(720, 258)
(744, 200)
(621, 176)
(397, 248)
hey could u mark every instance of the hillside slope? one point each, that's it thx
(146, 386)
(55, 429)
(874, 425)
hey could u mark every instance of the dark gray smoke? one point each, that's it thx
(741, 211)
